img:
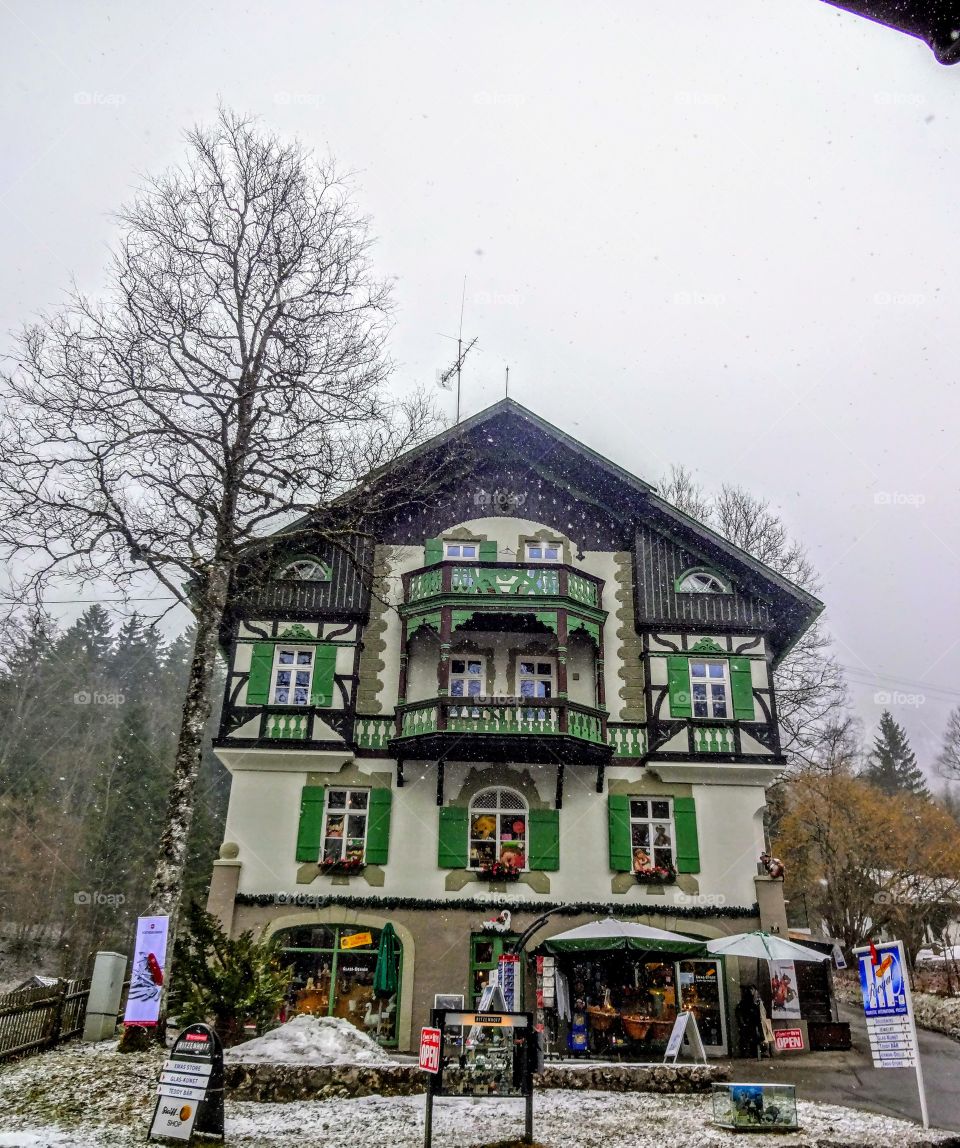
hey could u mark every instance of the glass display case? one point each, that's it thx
(755, 1107)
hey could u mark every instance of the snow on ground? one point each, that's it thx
(311, 1040)
(82, 1096)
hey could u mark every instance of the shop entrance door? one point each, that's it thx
(701, 992)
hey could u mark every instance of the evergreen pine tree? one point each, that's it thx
(892, 764)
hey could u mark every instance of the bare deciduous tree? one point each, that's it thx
(811, 691)
(228, 383)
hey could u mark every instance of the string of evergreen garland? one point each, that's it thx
(566, 909)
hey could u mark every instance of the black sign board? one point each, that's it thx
(190, 1091)
(488, 1054)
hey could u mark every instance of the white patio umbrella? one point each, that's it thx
(764, 946)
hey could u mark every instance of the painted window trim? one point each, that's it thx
(484, 660)
(293, 667)
(709, 682)
(532, 699)
(344, 813)
(556, 544)
(498, 813)
(301, 559)
(461, 542)
(651, 821)
(681, 578)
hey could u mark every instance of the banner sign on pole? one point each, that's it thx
(785, 1004)
(146, 972)
(888, 1008)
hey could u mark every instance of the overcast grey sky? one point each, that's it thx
(717, 234)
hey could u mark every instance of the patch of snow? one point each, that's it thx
(311, 1040)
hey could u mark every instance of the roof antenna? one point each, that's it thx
(506, 385)
(444, 377)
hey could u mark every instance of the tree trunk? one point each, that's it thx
(167, 887)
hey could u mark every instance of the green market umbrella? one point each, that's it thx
(763, 946)
(611, 935)
(388, 954)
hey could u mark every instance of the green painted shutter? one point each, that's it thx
(378, 826)
(311, 823)
(688, 844)
(432, 551)
(261, 671)
(452, 853)
(741, 686)
(621, 852)
(488, 551)
(678, 678)
(544, 846)
(324, 664)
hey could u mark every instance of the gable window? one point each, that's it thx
(651, 833)
(461, 550)
(701, 582)
(498, 829)
(710, 689)
(544, 552)
(292, 675)
(305, 570)
(345, 825)
(535, 678)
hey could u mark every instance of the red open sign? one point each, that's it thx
(430, 1049)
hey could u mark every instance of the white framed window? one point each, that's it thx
(498, 829)
(305, 570)
(701, 582)
(652, 834)
(345, 824)
(536, 677)
(544, 552)
(461, 549)
(710, 689)
(292, 676)
(468, 675)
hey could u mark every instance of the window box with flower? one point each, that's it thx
(342, 865)
(655, 875)
(498, 871)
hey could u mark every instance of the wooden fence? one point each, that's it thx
(33, 1019)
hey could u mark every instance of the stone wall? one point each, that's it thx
(284, 1082)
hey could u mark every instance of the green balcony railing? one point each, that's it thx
(506, 579)
(713, 739)
(372, 732)
(541, 717)
(628, 741)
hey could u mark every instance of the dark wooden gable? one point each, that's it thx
(660, 560)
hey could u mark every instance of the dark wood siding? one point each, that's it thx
(659, 561)
(347, 592)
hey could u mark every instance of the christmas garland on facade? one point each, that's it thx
(565, 909)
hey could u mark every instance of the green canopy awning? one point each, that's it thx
(612, 936)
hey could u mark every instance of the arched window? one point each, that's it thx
(701, 582)
(305, 570)
(498, 829)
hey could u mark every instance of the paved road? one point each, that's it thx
(849, 1077)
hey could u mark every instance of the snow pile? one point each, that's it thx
(311, 1040)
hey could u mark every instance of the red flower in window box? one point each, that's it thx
(655, 875)
(498, 871)
(342, 865)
